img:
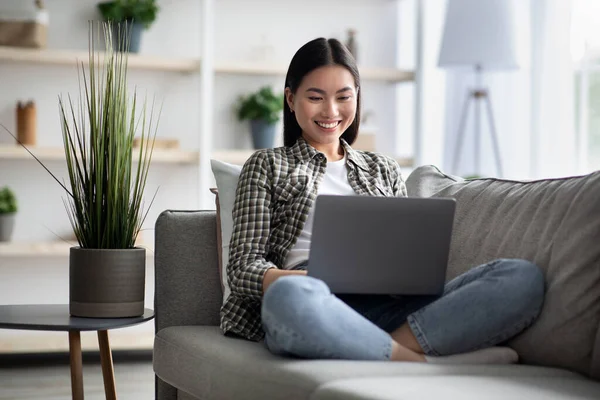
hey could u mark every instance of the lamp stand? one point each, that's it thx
(477, 96)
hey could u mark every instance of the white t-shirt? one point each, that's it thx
(335, 182)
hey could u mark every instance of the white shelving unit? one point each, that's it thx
(206, 68)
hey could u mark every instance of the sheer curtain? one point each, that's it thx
(553, 138)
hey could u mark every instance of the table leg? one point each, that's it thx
(76, 365)
(108, 372)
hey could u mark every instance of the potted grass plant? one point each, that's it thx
(129, 18)
(263, 109)
(106, 187)
(8, 210)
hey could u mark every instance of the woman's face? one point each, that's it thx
(324, 104)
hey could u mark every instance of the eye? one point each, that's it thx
(312, 98)
(344, 98)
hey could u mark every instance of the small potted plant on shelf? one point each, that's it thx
(263, 110)
(8, 210)
(129, 18)
(107, 271)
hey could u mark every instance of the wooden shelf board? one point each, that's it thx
(240, 156)
(377, 74)
(67, 57)
(49, 249)
(167, 156)
(179, 64)
(405, 162)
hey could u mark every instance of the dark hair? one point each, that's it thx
(315, 54)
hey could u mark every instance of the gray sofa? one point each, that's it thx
(552, 223)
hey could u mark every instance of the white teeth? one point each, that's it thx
(328, 126)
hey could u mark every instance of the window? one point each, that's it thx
(585, 51)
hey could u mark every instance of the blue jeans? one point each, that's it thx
(481, 308)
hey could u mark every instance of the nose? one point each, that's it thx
(330, 109)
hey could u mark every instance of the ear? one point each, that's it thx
(289, 98)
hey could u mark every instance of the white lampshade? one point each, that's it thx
(479, 32)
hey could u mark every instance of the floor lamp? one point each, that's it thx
(480, 34)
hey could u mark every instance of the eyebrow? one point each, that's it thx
(321, 91)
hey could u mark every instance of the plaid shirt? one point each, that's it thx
(275, 192)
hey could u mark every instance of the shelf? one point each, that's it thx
(183, 65)
(376, 74)
(240, 156)
(67, 57)
(166, 156)
(237, 157)
(49, 249)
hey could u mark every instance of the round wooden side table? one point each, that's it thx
(55, 317)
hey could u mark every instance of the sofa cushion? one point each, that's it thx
(459, 387)
(226, 177)
(203, 362)
(553, 222)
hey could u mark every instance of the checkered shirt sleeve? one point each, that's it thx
(252, 221)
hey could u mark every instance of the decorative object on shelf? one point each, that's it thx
(24, 28)
(106, 271)
(365, 141)
(264, 52)
(263, 109)
(129, 19)
(26, 123)
(158, 143)
(8, 210)
(480, 34)
(351, 43)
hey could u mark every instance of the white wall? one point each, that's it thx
(243, 29)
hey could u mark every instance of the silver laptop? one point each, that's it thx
(381, 245)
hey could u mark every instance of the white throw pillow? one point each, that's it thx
(226, 177)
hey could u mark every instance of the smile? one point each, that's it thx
(328, 126)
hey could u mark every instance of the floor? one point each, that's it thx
(48, 377)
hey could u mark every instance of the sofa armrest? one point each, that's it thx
(187, 287)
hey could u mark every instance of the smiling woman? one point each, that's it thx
(322, 87)
(271, 295)
(325, 105)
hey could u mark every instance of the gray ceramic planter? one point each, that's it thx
(127, 31)
(107, 283)
(263, 134)
(7, 224)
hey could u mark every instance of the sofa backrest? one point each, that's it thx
(187, 287)
(554, 223)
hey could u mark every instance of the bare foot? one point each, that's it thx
(401, 353)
